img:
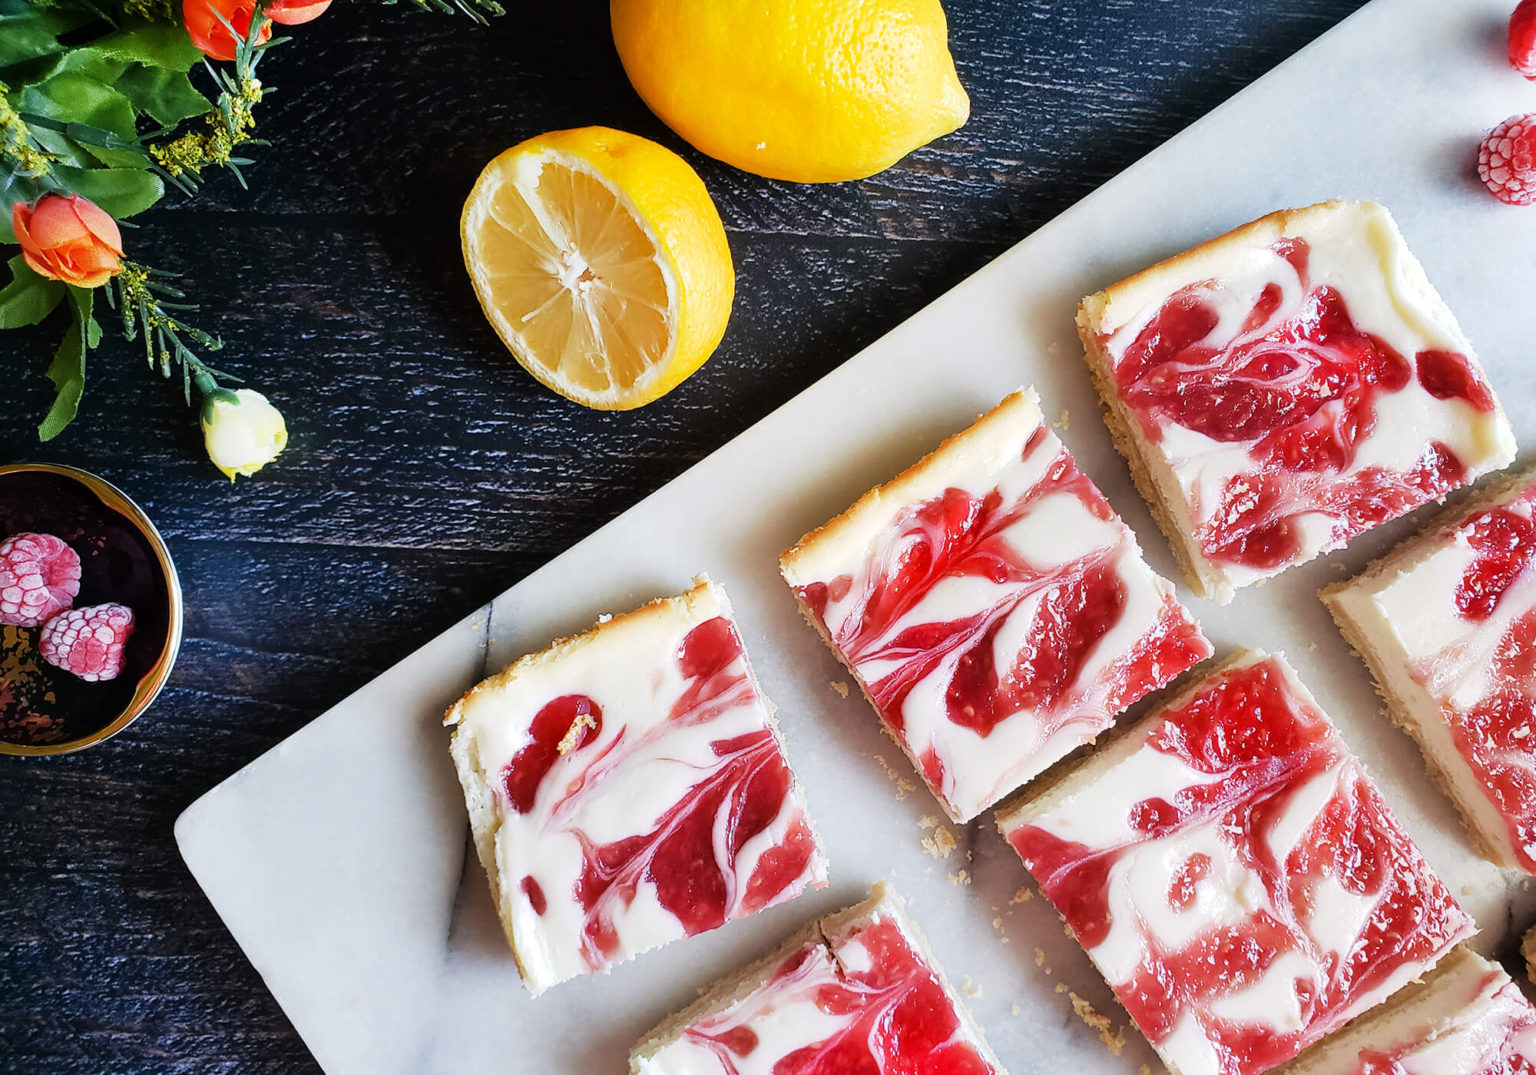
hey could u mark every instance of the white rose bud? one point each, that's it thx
(242, 434)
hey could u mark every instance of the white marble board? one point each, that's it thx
(338, 858)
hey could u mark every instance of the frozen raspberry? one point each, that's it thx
(39, 578)
(1522, 39)
(1506, 162)
(88, 641)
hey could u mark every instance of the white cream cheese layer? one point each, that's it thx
(1356, 249)
(654, 747)
(1467, 1018)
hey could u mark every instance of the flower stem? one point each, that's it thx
(145, 301)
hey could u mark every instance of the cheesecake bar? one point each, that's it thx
(1447, 624)
(1466, 1018)
(1285, 387)
(856, 991)
(992, 606)
(628, 787)
(1234, 874)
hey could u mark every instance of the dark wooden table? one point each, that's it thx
(426, 472)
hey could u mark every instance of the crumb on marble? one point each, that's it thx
(969, 988)
(1023, 895)
(1039, 957)
(1061, 987)
(1064, 420)
(1114, 1040)
(939, 843)
(904, 787)
(960, 878)
(1016, 1008)
(840, 687)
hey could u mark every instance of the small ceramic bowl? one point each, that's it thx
(45, 710)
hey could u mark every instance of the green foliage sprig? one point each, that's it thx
(150, 308)
(97, 99)
(107, 119)
(229, 125)
(475, 9)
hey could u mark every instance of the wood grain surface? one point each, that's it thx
(426, 472)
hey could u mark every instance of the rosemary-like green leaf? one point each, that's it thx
(145, 312)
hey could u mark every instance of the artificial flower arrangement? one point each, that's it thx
(100, 114)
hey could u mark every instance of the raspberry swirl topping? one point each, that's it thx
(864, 1002)
(1238, 879)
(1001, 622)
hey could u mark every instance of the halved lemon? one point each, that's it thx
(601, 262)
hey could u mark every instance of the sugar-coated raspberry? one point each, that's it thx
(88, 641)
(1522, 39)
(1506, 162)
(39, 578)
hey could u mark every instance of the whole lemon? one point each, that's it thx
(814, 91)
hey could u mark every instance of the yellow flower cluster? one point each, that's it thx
(16, 144)
(196, 150)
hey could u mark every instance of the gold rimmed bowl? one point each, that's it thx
(45, 710)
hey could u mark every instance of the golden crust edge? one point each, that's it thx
(1200, 575)
(701, 585)
(868, 502)
(1271, 225)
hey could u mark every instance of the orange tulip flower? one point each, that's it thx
(294, 12)
(69, 238)
(212, 36)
